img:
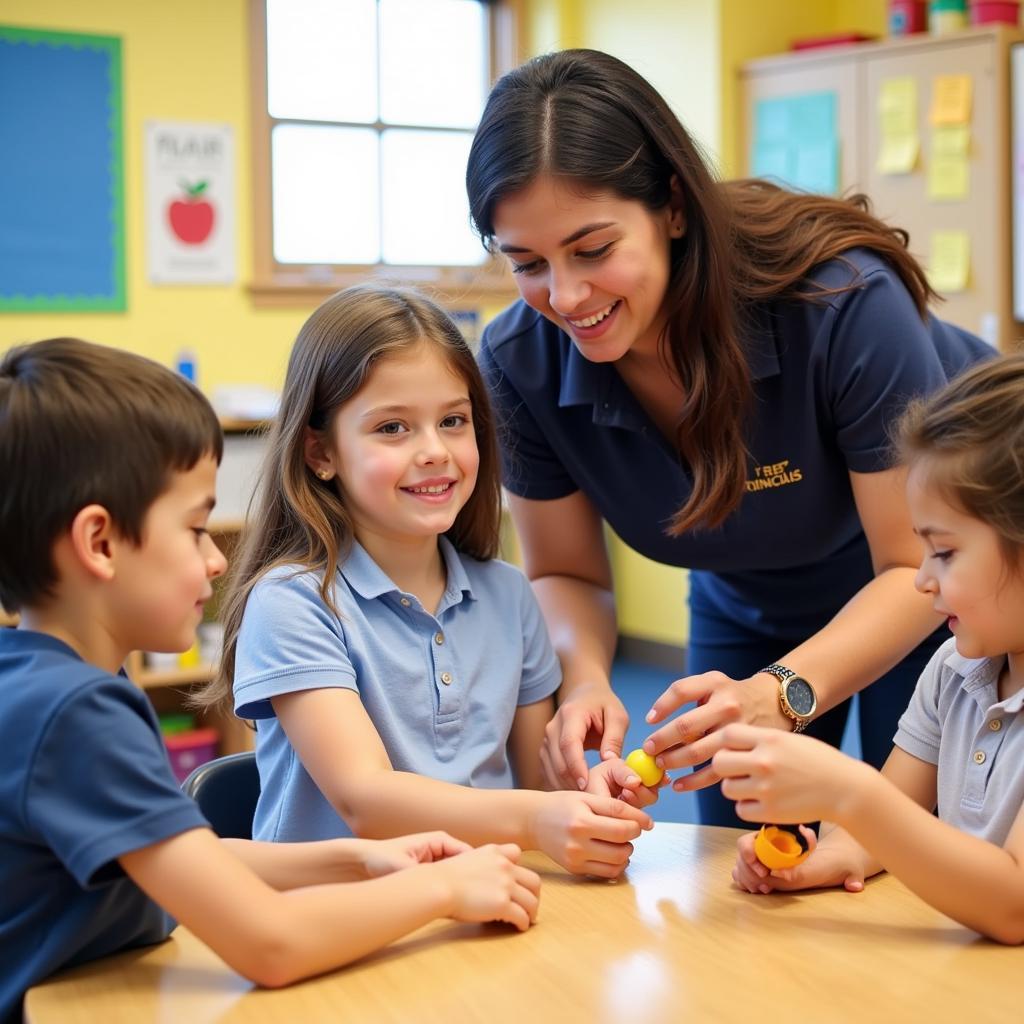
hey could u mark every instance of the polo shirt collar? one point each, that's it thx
(600, 386)
(370, 581)
(981, 680)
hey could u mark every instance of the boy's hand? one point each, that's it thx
(785, 778)
(587, 833)
(616, 779)
(384, 856)
(828, 865)
(488, 884)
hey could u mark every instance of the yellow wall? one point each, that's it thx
(186, 61)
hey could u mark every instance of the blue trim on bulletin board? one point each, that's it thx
(61, 174)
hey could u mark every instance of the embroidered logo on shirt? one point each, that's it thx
(775, 474)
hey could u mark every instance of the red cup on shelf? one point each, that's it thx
(1006, 12)
(906, 16)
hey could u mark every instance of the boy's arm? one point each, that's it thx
(340, 748)
(275, 938)
(293, 865)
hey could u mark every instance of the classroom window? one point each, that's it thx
(364, 114)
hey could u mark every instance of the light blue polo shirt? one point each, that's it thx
(441, 690)
(957, 722)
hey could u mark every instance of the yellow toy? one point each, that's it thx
(644, 765)
(780, 846)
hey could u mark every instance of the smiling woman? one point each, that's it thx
(711, 369)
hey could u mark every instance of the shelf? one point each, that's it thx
(155, 678)
(223, 526)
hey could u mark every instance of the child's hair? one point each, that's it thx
(972, 435)
(82, 424)
(297, 518)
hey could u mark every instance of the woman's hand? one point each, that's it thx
(591, 717)
(694, 736)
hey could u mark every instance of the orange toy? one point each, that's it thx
(780, 847)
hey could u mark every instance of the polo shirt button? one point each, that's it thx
(406, 602)
(996, 724)
(439, 638)
(979, 757)
(446, 678)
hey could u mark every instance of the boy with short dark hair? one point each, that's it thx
(108, 463)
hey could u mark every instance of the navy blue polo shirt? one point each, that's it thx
(830, 377)
(84, 779)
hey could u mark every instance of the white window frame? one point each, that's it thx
(279, 284)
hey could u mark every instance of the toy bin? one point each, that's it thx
(189, 749)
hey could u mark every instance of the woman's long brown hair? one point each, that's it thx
(587, 117)
(295, 518)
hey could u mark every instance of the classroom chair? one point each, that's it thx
(226, 790)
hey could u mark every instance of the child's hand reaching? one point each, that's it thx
(616, 779)
(829, 864)
(587, 833)
(786, 778)
(489, 884)
(383, 856)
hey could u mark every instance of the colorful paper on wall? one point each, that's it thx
(817, 167)
(897, 106)
(951, 99)
(951, 140)
(949, 178)
(796, 142)
(949, 262)
(897, 115)
(898, 155)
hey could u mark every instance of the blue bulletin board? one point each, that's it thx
(796, 141)
(61, 172)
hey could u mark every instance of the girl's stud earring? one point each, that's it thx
(324, 474)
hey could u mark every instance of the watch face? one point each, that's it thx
(800, 696)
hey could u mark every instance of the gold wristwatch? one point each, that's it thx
(797, 698)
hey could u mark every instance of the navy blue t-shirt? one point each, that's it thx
(84, 779)
(830, 377)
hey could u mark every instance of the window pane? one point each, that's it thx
(426, 213)
(322, 60)
(433, 64)
(325, 194)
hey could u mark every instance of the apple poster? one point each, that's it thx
(190, 203)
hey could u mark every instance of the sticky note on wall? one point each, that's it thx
(897, 117)
(951, 99)
(949, 261)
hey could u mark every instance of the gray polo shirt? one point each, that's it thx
(956, 721)
(441, 688)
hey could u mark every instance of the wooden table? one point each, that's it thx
(673, 942)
